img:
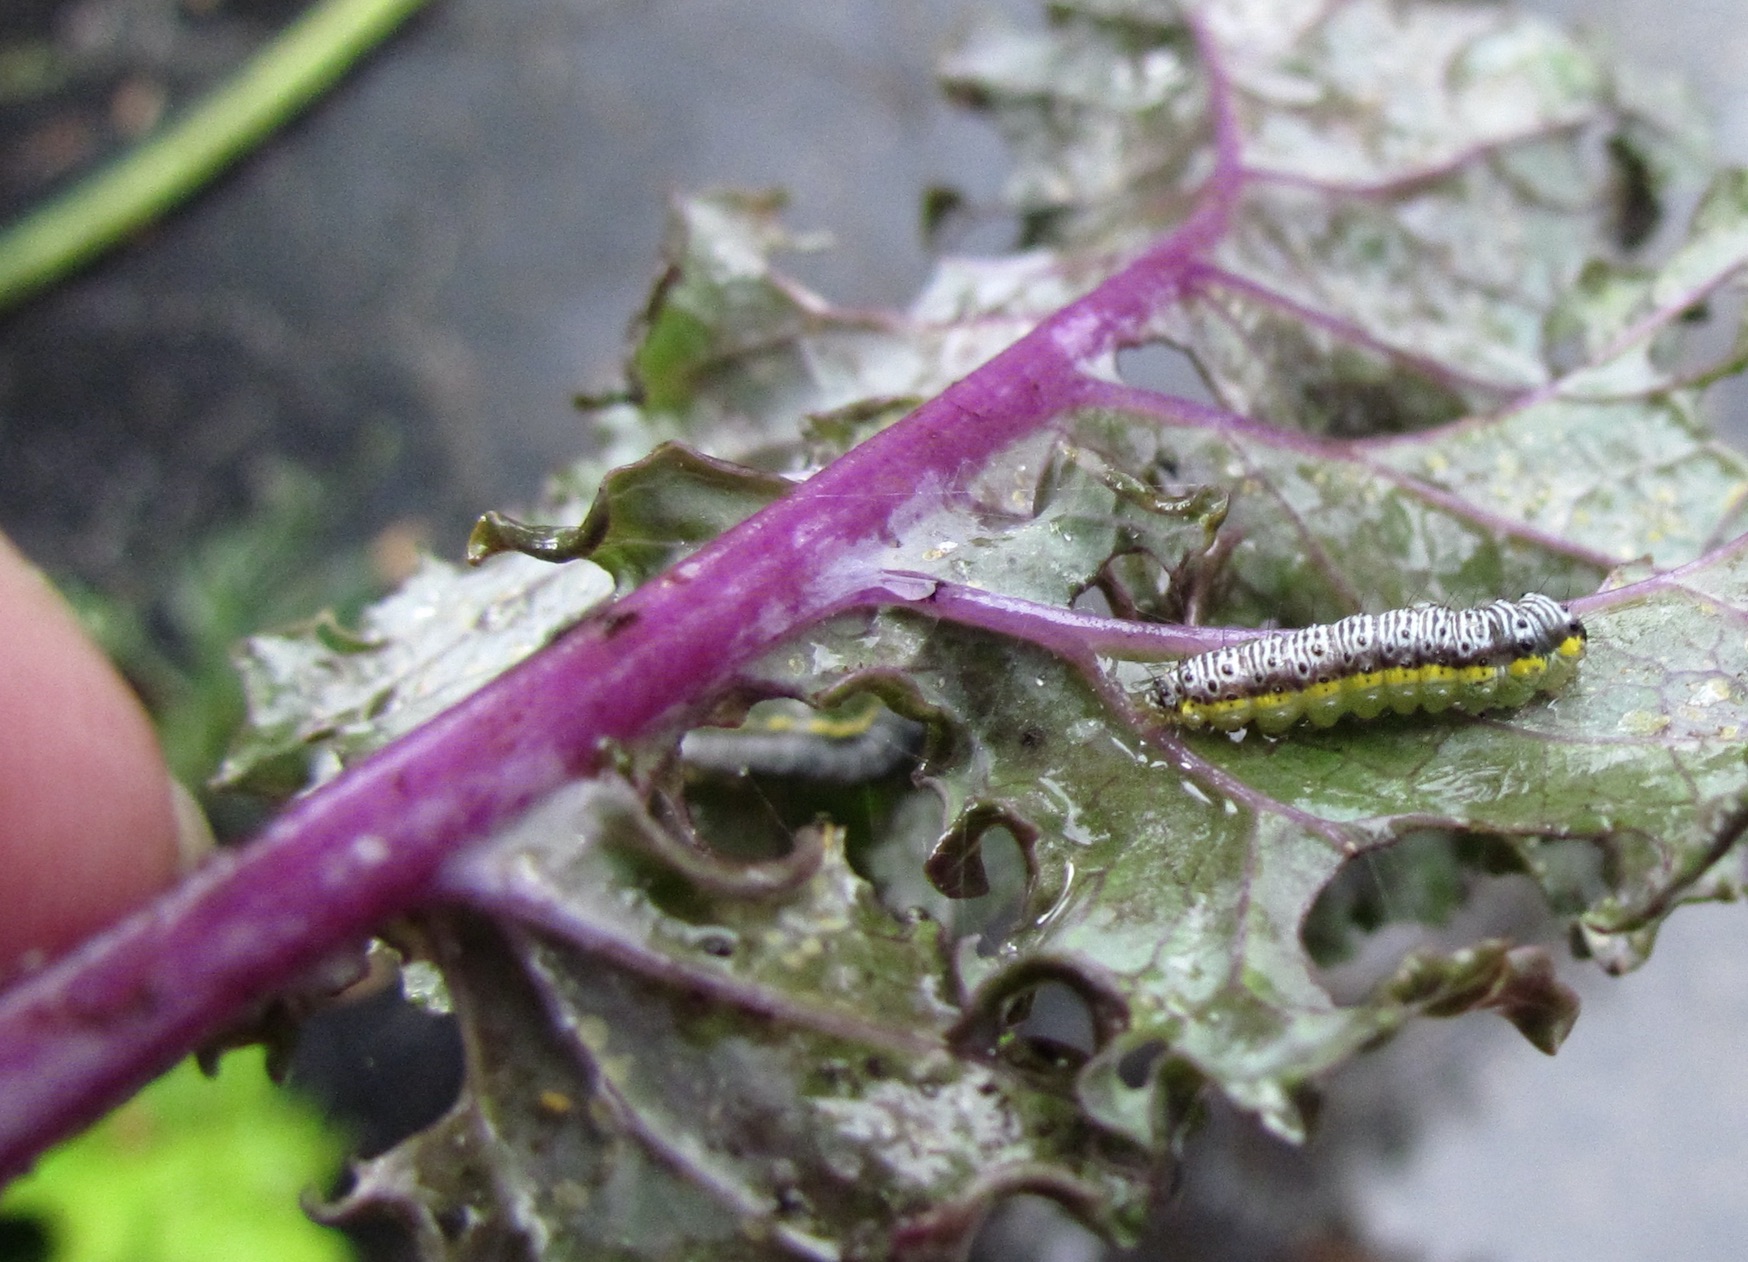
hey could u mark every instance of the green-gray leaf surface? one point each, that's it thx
(1439, 368)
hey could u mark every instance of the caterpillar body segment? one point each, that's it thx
(1495, 656)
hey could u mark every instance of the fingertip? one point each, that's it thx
(88, 818)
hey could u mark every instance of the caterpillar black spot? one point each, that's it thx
(1430, 658)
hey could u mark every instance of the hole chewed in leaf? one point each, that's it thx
(622, 823)
(1009, 1214)
(1361, 404)
(1140, 1088)
(1618, 932)
(1135, 1066)
(967, 229)
(1045, 1016)
(446, 1187)
(956, 867)
(1052, 1023)
(1157, 366)
(1341, 383)
(1420, 922)
(379, 1065)
(1418, 878)
(655, 1077)
(1638, 205)
(1431, 892)
(1136, 585)
(1030, 1227)
(937, 744)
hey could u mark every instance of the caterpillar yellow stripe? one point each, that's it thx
(1428, 657)
(860, 742)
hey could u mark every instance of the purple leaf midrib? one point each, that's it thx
(79, 1035)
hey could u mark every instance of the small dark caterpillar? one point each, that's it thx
(1425, 658)
(791, 739)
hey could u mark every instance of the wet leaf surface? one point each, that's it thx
(1439, 372)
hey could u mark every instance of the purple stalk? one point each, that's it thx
(83, 1033)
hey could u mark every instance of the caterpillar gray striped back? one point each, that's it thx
(1428, 658)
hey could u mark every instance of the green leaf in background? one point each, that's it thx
(190, 1170)
(270, 568)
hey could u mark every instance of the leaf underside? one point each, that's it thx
(762, 1013)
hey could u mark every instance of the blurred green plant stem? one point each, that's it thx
(164, 170)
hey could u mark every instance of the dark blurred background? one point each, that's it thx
(403, 291)
(373, 328)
